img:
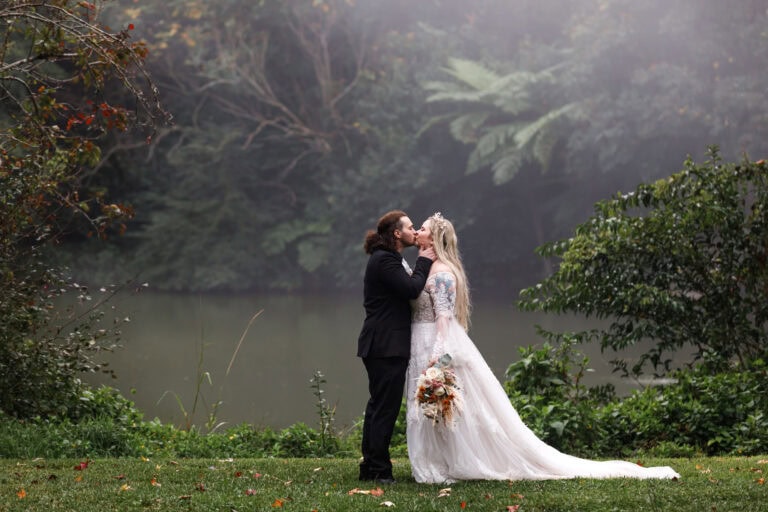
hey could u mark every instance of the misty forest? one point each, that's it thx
(297, 124)
(601, 158)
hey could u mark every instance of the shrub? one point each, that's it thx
(681, 261)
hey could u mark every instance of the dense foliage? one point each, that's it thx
(56, 65)
(682, 262)
(298, 123)
(694, 412)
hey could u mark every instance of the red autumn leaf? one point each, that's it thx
(120, 477)
(250, 492)
(257, 476)
(512, 508)
(238, 474)
(463, 504)
(82, 466)
(21, 494)
(130, 26)
(277, 503)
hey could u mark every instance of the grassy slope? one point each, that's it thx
(716, 484)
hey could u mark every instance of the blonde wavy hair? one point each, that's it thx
(446, 246)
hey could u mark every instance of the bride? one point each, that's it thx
(486, 440)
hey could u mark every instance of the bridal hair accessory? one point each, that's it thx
(437, 391)
(438, 219)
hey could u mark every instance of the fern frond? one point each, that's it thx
(506, 167)
(432, 121)
(524, 136)
(494, 143)
(465, 128)
(458, 96)
(471, 73)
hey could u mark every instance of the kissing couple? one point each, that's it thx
(462, 427)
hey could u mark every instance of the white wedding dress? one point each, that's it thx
(487, 440)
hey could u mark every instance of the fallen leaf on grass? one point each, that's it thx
(82, 465)
(373, 492)
(516, 495)
(444, 493)
(463, 504)
(125, 487)
(318, 469)
(155, 483)
(760, 481)
(763, 461)
(250, 492)
(21, 494)
(387, 504)
(512, 508)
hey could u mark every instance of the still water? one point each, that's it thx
(173, 342)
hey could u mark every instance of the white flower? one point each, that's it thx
(434, 373)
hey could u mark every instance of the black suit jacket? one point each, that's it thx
(387, 291)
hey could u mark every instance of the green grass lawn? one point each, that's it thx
(706, 484)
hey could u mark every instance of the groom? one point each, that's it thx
(385, 339)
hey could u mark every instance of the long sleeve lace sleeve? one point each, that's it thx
(444, 302)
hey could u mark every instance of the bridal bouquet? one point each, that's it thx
(437, 391)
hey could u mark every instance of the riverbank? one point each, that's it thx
(712, 484)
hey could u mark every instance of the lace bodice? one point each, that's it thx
(437, 299)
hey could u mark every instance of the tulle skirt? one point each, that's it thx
(487, 440)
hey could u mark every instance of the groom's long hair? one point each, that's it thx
(384, 236)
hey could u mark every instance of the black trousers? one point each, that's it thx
(386, 380)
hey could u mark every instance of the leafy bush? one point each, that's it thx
(700, 413)
(546, 388)
(711, 414)
(681, 261)
(51, 331)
